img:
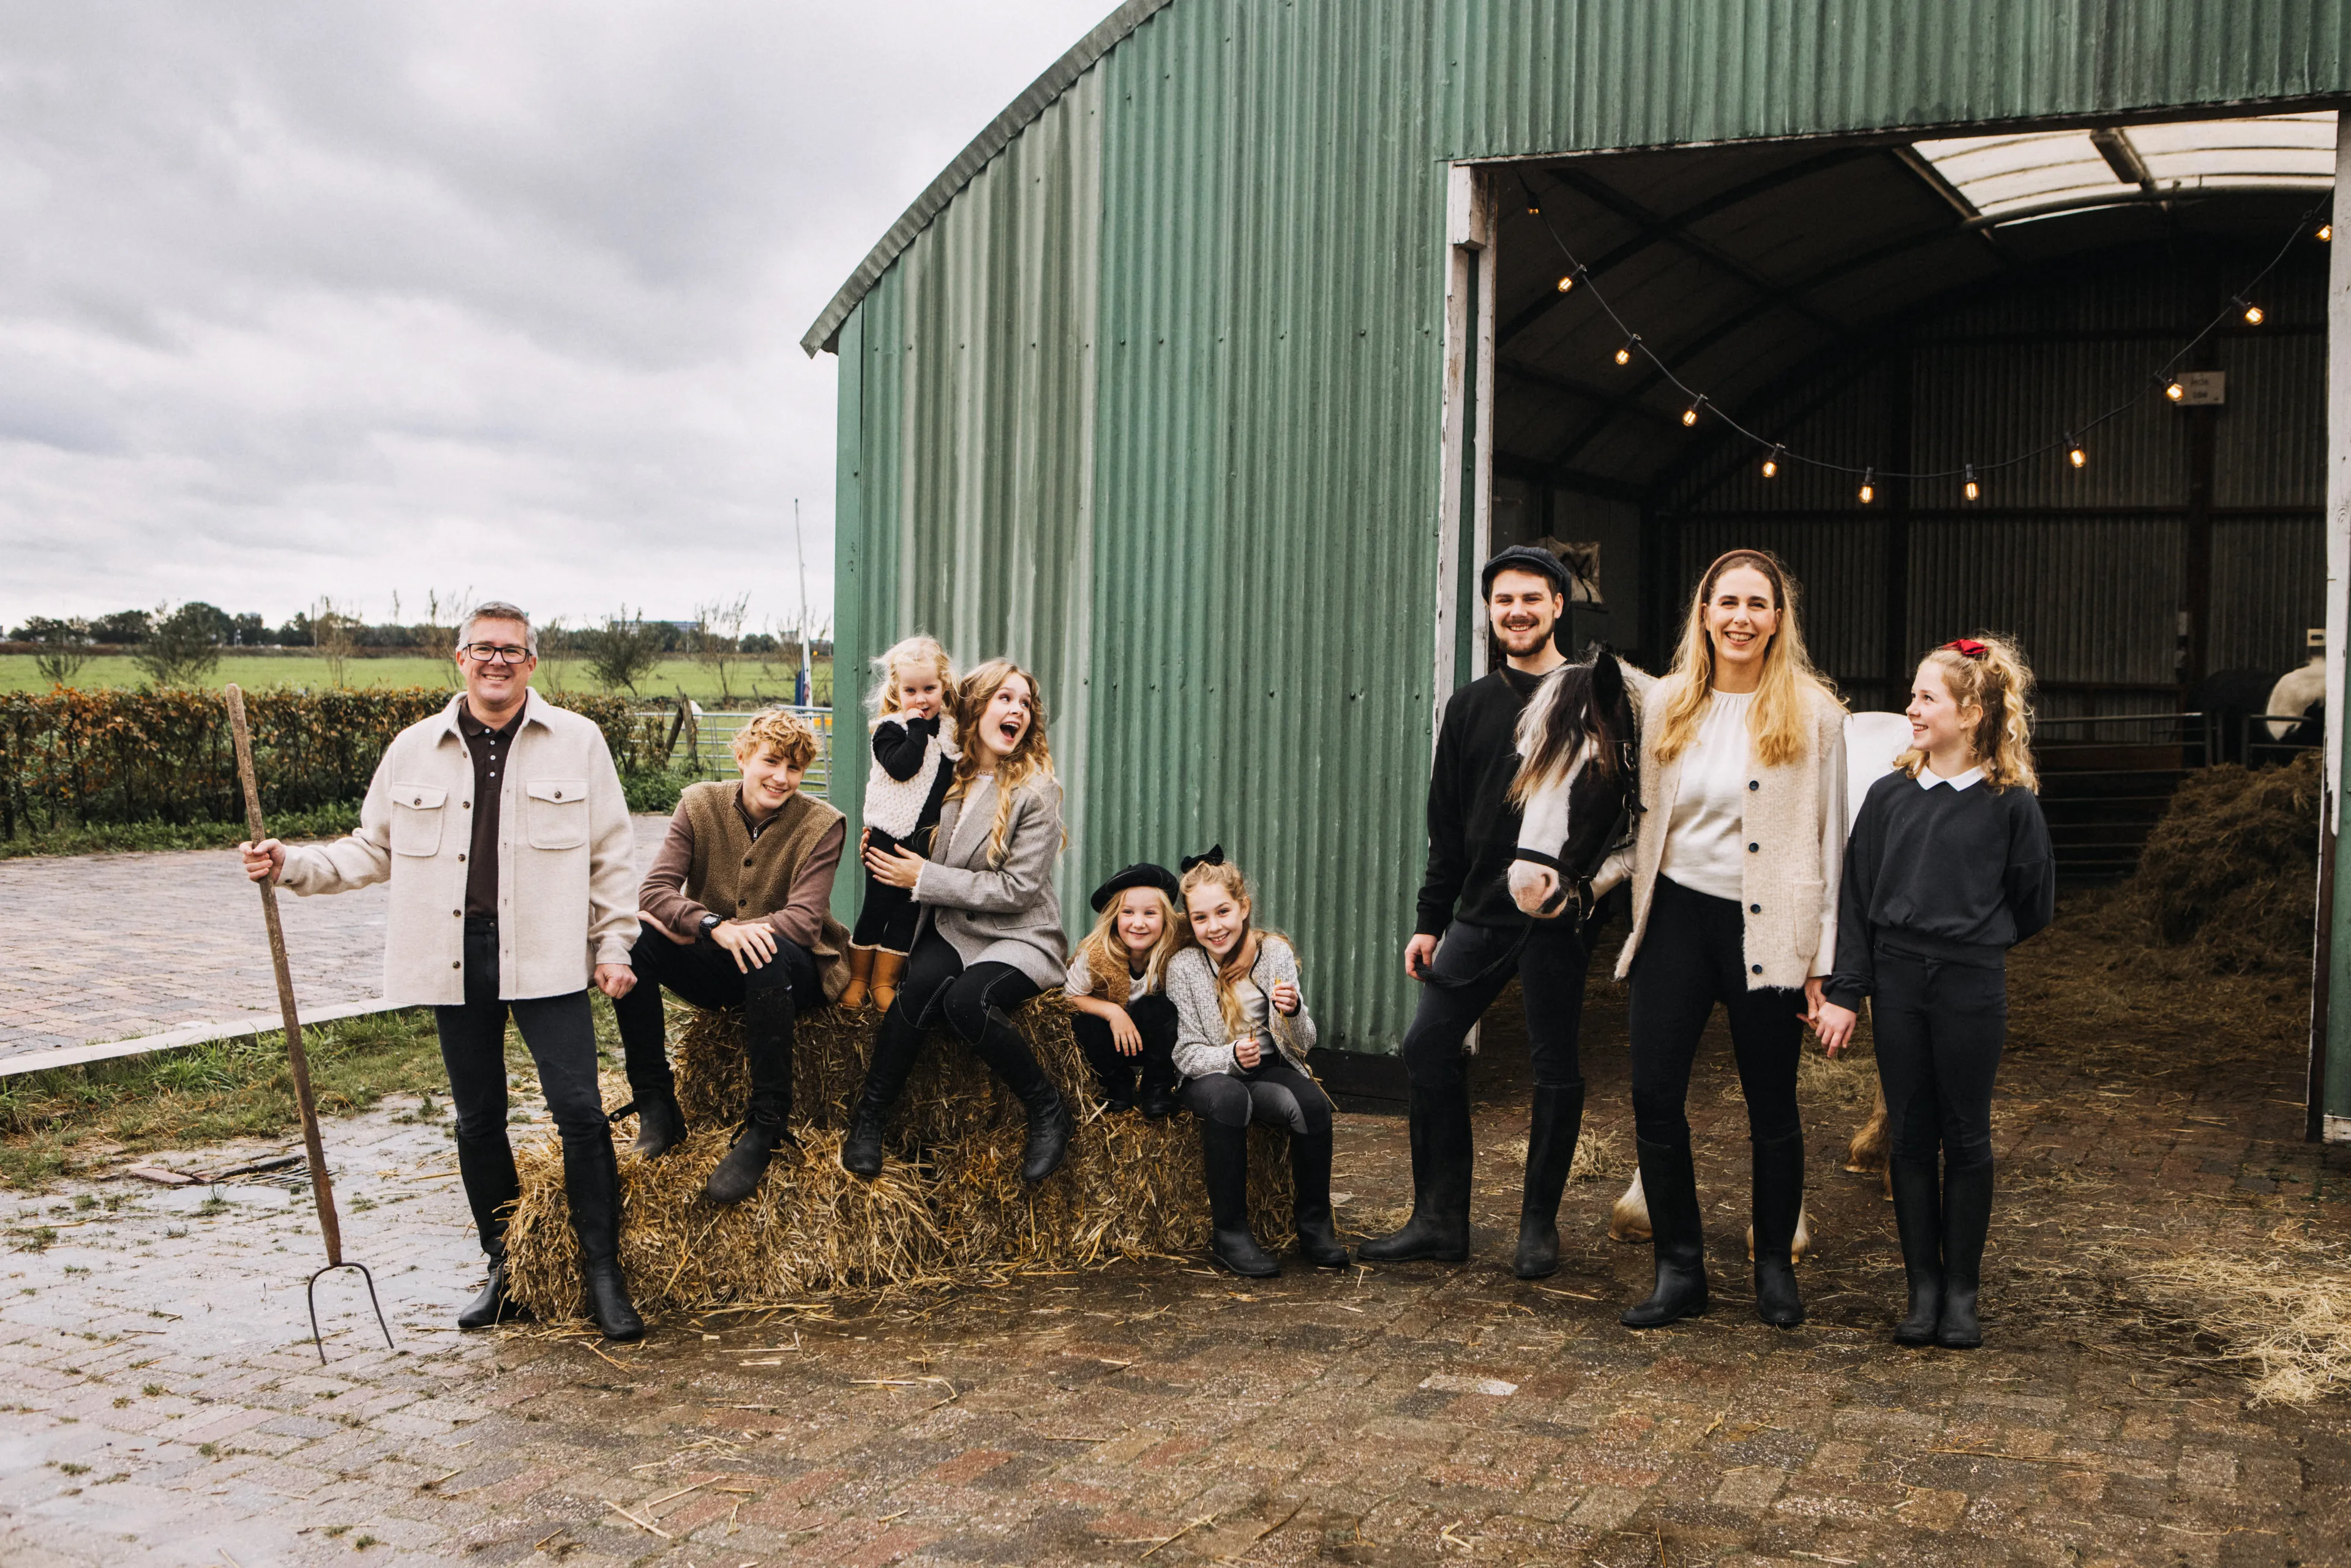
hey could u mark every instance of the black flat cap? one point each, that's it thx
(1140, 874)
(1523, 558)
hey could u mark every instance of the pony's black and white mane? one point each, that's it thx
(1558, 731)
(1578, 783)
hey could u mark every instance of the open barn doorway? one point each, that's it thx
(1929, 331)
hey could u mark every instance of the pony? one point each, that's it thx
(1578, 786)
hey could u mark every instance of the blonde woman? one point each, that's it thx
(1117, 983)
(990, 932)
(1241, 1039)
(1734, 878)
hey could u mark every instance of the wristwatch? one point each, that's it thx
(710, 923)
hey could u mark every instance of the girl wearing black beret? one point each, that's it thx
(1116, 982)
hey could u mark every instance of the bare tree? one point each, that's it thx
(717, 642)
(63, 648)
(334, 633)
(624, 651)
(438, 632)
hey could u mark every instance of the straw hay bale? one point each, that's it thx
(2228, 871)
(951, 1202)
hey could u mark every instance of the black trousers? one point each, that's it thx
(705, 974)
(1272, 1092)
(1154, 1020)
(888, 917)
(1940, 1028)
(936, 989)
(1694, 955)
(1473, 963)
(561, 1036)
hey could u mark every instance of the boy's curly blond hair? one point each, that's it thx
(781, 731)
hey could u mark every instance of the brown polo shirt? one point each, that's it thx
(490, 750)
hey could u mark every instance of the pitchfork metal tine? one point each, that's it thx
(320, 1340)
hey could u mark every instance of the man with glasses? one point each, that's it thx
(501, 825)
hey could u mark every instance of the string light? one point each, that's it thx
(2252, 312)
(2325, 233)
(1772, 463)
(2075, 454)
(1690, 414)
(2175, 392)
(1625, 354)
(1868, 485)
(1974, 490)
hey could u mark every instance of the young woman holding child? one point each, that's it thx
(915, 752)
(1734, 874)
(1117, 983)
(988, 935)
(1948, 867)
(1242, 1037)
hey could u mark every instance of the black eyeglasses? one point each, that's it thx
(496, 653)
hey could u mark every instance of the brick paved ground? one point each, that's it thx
(114, 947)
(167, 1408)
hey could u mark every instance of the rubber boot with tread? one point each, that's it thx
(1678, 1230)
(1310, 1180)
(1919, 1220)
(1438, 1230)
(1224, 1159)
(1967, 1217)
(1552, 1133)
(592, 1180)
(1779, 1204)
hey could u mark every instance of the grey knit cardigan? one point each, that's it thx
(1204, 1045)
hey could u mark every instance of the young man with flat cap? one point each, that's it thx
(1470, 938)
(1115, 982)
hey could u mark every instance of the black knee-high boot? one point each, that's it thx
(1558, 1121)
(1309, 1181)
(1919, 1220)
(896, 1044)
(1224, 1159)
(1051, 1124)
(1967, 1218)
(1779, 1204)
(591, 1181)
(1439, 1226)
(1677, 1228)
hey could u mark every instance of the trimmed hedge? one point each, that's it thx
(76, 757)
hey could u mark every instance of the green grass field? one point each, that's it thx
(752, 681)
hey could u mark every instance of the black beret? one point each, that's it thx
(1523, 558)
(1140, 874)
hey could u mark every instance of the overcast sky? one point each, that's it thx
(347, 299)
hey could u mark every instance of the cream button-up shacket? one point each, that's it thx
(567, 872)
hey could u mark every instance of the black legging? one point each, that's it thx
(707, 975)
(1473, 962)
(1692, 956)
(1939, 1029)
(1273, 1091)
(973, 1002)
(1115, 1071)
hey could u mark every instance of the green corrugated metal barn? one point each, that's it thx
(1203, 376)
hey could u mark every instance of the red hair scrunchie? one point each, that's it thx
(1966, 647)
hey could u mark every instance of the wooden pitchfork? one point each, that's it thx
(322, 1187)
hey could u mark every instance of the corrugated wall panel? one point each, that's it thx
(2093, 598)
(1839, 563)
(2270, 439)
(2268, 588)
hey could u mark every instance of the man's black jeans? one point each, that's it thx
(562, 1040)
(705, 974)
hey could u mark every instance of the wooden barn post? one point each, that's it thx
(2330, 1098)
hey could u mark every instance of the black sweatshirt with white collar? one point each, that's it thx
(1953, 871)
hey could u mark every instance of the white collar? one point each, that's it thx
(1926, 780)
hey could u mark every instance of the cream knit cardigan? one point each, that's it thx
(1795, 829)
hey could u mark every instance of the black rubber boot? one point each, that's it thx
(1679, 1231)
(1050, 1125)
(736, 1176)
(592, 1180)
(661, 1124)
(895, 1046)
(1779, 1204)
(1224, 1156)
(493, 1306)
(1919, 1219)
(1439, 1227)
(1967, 1217)
(1557, 1123)
(1156, 1098)
(1310, 1182)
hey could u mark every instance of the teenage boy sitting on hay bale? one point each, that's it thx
(737, 913)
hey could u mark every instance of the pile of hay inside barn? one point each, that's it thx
(2231, 872)
(949, 1205)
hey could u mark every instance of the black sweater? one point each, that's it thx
(1473, 828)
(1955, 875)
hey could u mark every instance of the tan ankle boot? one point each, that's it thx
(887, 967)
(861, 976)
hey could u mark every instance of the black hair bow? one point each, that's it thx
(1216, 856)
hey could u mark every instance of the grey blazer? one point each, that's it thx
(1006, 913)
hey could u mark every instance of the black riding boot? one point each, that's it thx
(1779, 1204)
(493, 1306)
(1919, 1219)
(1679, 1229)
(1309, 1181)
(1224, 1157)
(1967, 1217)
(1156, 1098)
(1439, 1226)
(1551, 1151)
(592, 1180)
(1050, 1126)
(896, 1044)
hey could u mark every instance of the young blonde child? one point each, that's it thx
(1948, 867)
(913, 747)
(1117, 983)
(1242, 1037)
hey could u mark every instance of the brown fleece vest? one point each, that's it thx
(737, 877)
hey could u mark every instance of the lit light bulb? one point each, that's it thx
(2175, 392)
(1868, 485)
(1624, 355)
(1974, 490)
(1567, 283)
(1690, 414)
(2326, 232)
(1772, 463)
(2075, 454)
(1533, 211)
(2253, 315)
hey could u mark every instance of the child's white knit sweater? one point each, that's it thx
(894, 798)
